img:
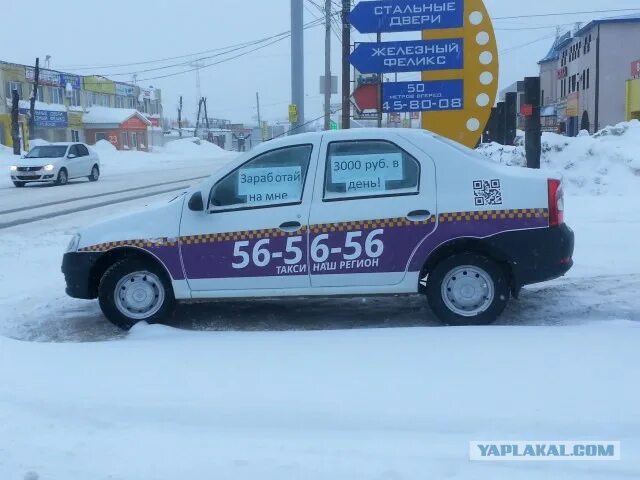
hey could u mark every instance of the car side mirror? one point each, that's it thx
(196, 204)
(71, 156)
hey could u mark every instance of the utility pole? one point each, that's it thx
(297, 61)
(15, 125)
(259, 117)
(327, 65)
(206, 114)
(195, 132)
(180, 117)
(34, 96)
(346, 66)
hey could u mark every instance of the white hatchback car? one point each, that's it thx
(57, 163)
(356, 212)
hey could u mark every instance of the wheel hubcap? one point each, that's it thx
(95, 173)
(468, 290)
(139, 295)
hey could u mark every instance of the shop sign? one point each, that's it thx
(125, 90)
(48, 118)
(562, 73)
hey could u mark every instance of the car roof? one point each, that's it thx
(355, 133)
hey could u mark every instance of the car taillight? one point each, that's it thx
(556, 203)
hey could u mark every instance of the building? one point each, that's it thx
(65, 99)
(633, 92)
(584, 76)
(124, 128)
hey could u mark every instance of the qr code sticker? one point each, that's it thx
(487, 192)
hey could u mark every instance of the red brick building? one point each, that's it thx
(126, 129)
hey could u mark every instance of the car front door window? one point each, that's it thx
(271, 179)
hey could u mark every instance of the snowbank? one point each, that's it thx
(178, 153)
(187, 146)
(605, 163)
(104, 147)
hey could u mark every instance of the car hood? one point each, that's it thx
(35, 162)
(156, 221)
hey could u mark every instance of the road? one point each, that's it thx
(43, 201)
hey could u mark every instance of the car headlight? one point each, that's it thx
(48, 168)
(74, 243)
(13, 168)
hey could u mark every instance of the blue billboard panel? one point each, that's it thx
(431, 96)
(409, 56)
(48, 118)
(407, 15)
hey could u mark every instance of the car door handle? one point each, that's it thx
(419, 215)
(290, 227)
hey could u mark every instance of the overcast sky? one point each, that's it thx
(79, 34)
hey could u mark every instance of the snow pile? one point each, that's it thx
(605, 163)
(178, 153)
(187, 146)
(104, 147)
(38, 142)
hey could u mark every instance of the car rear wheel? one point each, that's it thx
(95, 174)
(63, 177)
(133, 290)
(468, 289)
(19, 184)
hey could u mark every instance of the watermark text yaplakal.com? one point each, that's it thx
(492, 451)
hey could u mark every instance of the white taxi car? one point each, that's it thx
(57, 163)
(357, 212)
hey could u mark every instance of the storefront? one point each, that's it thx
(633, 93)
(5, 131)
(125, 129)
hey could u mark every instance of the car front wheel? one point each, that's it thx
(63, 177)
(468, 289)
(19, 184)
(133, 290)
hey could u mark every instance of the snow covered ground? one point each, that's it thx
(321, 388)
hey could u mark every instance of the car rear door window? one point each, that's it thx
(371, 168)
(82, 150)
(270, 179)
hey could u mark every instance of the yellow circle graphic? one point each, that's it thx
(480, 76)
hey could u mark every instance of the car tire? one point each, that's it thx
(63, 177)
(95, 174)
(468, 289)
(133, 290)
(19, 184)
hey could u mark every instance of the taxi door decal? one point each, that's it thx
(368, 246)
(254, 253)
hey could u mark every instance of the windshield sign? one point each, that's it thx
(52, 151)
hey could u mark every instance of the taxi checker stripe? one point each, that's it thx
(494, 215)
(325, 228)
(103, 247)
(235, 236)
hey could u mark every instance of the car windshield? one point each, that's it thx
(51, 151)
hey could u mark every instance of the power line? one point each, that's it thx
(227, 49)
(242, 54)
(517, 47)
(586, 12)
